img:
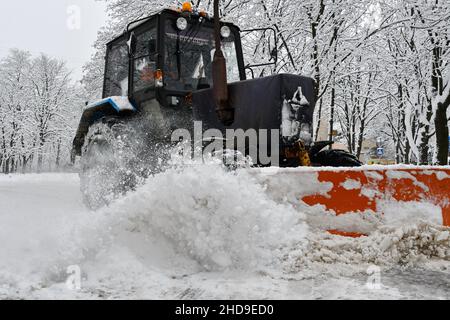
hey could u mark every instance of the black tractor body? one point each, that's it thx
(160, 70)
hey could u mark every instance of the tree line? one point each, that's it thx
(39, 110)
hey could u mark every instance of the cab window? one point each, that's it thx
(189, 54)
(116, 75)
(144, 60)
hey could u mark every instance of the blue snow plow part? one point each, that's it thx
(117, 106)
(118, 103)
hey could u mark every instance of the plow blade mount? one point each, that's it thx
(379, 192)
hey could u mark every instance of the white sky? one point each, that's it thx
(42, 26)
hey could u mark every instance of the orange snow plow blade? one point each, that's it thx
(367, 190)
(361, 190)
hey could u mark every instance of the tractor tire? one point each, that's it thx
(111, 163)
(335, 158)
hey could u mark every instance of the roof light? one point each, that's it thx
(225, 31)
(182, 23)
(187, 7)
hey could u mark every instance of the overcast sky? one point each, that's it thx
(52, 27)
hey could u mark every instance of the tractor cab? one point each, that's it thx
(168, 56)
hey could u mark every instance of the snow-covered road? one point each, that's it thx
(188, 234)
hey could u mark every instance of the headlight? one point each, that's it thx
(182, 23)
(225, 32)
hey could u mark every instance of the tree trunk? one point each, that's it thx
(319, 121)
(442, 134)
(58, 154)
(424, 149)
(331, 123)
(6, 169)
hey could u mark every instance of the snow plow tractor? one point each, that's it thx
(169, 70)
(184, 70)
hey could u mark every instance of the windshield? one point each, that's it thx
(189, 55)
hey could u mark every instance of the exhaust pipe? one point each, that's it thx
(225, 112)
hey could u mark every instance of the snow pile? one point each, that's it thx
(221, 219)
(235, 220)
(186, 220)
(388, 246)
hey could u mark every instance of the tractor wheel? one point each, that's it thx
(110, 162)
(335, 158)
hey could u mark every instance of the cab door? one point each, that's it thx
(143, 62)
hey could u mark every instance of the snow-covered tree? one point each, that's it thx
(14, 102)
(39, 108)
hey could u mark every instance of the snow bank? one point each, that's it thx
(221, 219)
(406, 245)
